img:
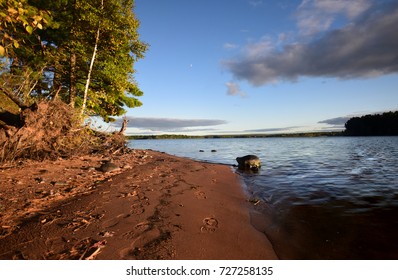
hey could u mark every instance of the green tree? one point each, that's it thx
(84, 57)
(98, 43)
(22, 62)
(373, 125)
(118, 45)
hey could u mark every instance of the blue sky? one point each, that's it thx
(262, 66)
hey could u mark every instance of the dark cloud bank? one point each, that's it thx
(339, 121)
(366, 48)
(277, 129)
(168, 124)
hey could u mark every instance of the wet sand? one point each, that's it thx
(154, 206)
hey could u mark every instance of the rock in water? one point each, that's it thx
(249, 162)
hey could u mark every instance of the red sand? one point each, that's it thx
(156, 206)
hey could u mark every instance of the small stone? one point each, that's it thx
(39, 180)
(134, 193)
(106, 233)
(108, 167)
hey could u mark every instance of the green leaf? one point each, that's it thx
(29, 29)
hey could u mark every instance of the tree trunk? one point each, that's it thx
(89, 72)
(91, 64)
(56, 88)
(72, 80)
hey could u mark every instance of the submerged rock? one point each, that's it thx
(249, 162)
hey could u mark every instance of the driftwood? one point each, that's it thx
(124, 126)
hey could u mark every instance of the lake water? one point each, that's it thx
(328, 197)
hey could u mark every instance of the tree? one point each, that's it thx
(101, 43)
(118, 48)
(19, 25)
(373, 125)
(85, 56)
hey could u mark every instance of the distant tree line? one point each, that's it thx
(373, 125)
(224, 136)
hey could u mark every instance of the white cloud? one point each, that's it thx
(315, 16)
(255, 3)
(254, 50)
(233, 89)
(351, 8)
(230, 46)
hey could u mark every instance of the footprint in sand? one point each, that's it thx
(139, 229)
(137, 208)
(200, 195)
(209, 225)
(143, 226)
(145, 244)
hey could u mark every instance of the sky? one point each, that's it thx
(263, 66)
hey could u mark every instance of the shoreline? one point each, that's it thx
(155, 206)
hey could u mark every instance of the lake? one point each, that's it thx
(328, 197)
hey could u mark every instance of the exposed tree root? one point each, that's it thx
(51, 130)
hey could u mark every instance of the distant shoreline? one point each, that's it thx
(369, 125)
(286, 135)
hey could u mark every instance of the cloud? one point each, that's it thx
(169, 124)
(277, 129)
(233, 89)
(255, 3)
(365, 48)
(339, 121)
(315, 16)
(230, 46)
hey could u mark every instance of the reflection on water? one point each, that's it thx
(329, 198)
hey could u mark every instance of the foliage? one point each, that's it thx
(18, 21)
(48, 46)
(373, 125)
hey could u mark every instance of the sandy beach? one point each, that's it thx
(152, 206)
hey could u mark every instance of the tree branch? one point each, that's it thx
(13, 97)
